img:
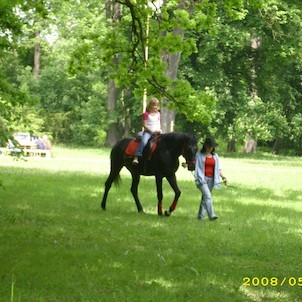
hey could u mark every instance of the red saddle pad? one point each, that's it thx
(131, 148)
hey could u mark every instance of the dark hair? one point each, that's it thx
(203, 150)
(209, 142)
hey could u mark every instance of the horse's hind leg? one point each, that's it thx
(113, 176)
(134, 191)
(108, 184)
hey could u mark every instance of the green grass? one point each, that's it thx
(57, 245)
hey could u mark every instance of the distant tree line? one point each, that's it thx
(80, 71)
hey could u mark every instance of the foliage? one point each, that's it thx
(135, 69)
(240, 67)
(253, 66)
(261, 121)
(73, 105)
(15, 98)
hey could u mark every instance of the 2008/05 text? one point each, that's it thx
(272, 281)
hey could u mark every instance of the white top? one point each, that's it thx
(152, 121)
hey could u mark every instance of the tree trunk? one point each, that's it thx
(250, 146)
(125, 119)
(172, 61)
(112, 133)
(277, 145)
(167, 119)
(231, 147)
(37, 54)
(112, 12)
(127, 126)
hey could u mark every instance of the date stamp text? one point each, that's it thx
(271, 281)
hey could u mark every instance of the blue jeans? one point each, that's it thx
(206, 204)
(145, 138)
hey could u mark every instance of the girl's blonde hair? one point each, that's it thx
(151, 102)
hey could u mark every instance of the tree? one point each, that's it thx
(201, 63)
(253, 83)
(75, 70)
(113, 15)
(158, 75)
(12, 95)
(278, 62)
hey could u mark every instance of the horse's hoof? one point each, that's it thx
(103, 207)
(160, 214)
(167, 213)
(141, 211)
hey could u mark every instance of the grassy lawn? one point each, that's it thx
(57, 245)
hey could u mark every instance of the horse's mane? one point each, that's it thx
(175, 136)
(172, 135)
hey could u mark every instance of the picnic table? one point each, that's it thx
(30, 149)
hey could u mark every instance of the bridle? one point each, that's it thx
(188, 162)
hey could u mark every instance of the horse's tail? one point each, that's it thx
(117, 159)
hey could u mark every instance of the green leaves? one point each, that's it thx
(261, 121)
(206, 59)
(253, 66)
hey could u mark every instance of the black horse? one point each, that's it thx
(162, 163)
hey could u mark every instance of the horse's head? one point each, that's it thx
(189, 151)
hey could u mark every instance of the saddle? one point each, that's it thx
(133, 145)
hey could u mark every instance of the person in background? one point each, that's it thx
(151, 123)
(46, 142)
(38, 142)
(10, 144)
(207, 177)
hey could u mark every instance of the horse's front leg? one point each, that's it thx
(159, 188)
(173, 183)
(134, 191)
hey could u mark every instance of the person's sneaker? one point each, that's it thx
(213, 218)
(135, 161)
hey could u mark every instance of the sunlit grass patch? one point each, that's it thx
(264, 294)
